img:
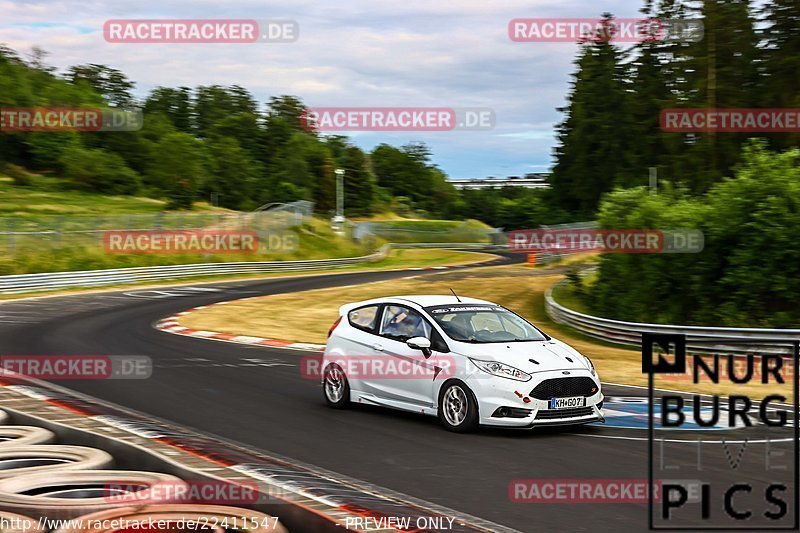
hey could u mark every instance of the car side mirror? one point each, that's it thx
(420, 343)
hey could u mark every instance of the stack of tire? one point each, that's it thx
(59, 482)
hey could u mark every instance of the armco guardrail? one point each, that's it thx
(739, 341)
(119, 276)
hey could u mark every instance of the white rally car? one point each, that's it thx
(469, 361)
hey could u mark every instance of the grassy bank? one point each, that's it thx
(70, 252)
(46, 197)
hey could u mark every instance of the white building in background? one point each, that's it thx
(529, 181)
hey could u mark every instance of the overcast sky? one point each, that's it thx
(420, 53)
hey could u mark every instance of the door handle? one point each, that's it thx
(377, 347)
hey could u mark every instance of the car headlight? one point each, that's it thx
(591, 366)
(501, 370)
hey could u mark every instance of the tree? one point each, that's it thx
(231, 174)
(214, 103)
(175, 104)
(403, 171)
(749, 270)
(322, 167)
(113, 85)
(47, 149)
(593, 137)
(289, 109)
(651, 88)
(99, 171)
(781, 56)
(359, 184)
(179, 169)
(719, 71)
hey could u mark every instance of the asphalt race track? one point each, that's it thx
(256, 396)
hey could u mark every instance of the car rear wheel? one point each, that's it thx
(458, 408)
(335, 387)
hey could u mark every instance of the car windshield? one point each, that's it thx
(484, 324)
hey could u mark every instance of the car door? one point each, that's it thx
(408, 374)
(359, 345)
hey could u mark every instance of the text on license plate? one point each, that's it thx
(566, 403)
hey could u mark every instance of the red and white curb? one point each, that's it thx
(171, 324)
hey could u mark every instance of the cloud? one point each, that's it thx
(382, 53)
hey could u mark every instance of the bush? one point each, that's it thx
(749, 271)
(20, 177)
(99, 171)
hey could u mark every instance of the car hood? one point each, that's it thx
(529, 357)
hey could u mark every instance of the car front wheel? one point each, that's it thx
(458, 409)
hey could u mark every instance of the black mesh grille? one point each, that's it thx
(564, 388)
(564, 413)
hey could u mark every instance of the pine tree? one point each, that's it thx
(781, 56)
(651, 86)
(719, 71)
(591, 155)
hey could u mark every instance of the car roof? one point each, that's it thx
(422, 300)
(426, 300)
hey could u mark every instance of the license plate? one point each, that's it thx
(567, 403)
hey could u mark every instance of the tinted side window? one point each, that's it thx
(364, 317)
(402, 323)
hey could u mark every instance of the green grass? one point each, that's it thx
(76, 244)
(315, 240)
(46, 197)
(433, 225)
(406, 230)
(564, 293)
(45, 205)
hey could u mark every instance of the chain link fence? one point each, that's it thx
(427, 231)
(54, 233)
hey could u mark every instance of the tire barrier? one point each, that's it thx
(178, 518)
(23, 460)
(16, 523)
(70, 494)
(4, 418)
(288, 494)
(11, 436)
